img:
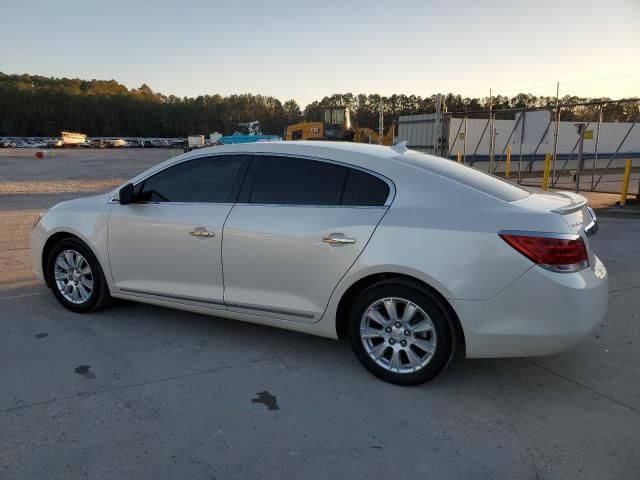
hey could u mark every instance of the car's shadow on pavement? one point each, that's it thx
(140, 337)
(211, 337)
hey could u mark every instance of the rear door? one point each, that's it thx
(168, 242)
(297, 228)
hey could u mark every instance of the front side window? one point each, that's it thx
(202, 180)
(300, 181)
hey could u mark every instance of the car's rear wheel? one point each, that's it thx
(401, 333)
(75, 276)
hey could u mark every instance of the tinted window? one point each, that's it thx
(296, 181)
(364, 189)
(204, 180)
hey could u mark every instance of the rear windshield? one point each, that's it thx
(483, 182)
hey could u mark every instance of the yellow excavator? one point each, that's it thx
(337, 126)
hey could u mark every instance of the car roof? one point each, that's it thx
(326, 149)
(396, 163)
(370, 157)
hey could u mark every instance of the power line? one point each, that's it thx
(617, 86)
(521, 89)
(600, 79)
(562, 84)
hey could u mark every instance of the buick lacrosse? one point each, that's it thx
(408, 255)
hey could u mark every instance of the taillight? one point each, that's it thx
(557, 252)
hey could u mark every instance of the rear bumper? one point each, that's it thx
(541, 313)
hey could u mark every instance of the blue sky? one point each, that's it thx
(306, 50)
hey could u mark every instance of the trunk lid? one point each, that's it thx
(571, 206)
(573, 209)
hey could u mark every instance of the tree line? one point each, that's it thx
(33, 105)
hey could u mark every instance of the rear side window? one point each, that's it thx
(301, 181)
(203, 180)
(364, 189)
(295, 181)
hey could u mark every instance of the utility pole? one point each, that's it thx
(555, 135)
(464, 143)
(491, 133)
(581, 128)
(435, 139)
(523, 112)
(381, 123)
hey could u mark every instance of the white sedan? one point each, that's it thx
(410, 256)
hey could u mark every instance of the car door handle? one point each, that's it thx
(335, 240)
(201, 232)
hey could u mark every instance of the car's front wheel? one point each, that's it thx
(401, 333)
(75, 276)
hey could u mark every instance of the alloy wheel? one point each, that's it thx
(398, 335)
(73, 276)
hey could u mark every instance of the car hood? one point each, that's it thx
(91, 203)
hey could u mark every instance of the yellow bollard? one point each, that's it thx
(547, 167)
(459, 157)
(625, 182)
(507, 166)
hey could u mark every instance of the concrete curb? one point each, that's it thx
(619, 212)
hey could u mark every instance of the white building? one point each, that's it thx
(531, 133)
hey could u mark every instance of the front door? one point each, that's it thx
(297, 228)
(168, 242)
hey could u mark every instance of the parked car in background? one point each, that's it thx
(410, 256)
(159, 143)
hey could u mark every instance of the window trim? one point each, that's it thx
(245, 169)
(242, 197)
(238, 180)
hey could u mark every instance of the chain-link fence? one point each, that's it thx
(587, 144)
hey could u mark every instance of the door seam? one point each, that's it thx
(351, 266)
(222, 235)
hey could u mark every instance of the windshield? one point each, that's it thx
(334, 116)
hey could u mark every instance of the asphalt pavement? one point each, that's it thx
(136, 391)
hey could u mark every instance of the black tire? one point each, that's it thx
(99, 296)
(439, 315)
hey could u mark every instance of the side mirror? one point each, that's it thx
(125, 194)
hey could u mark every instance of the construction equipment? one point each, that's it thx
(368, 135)
(336, 126)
